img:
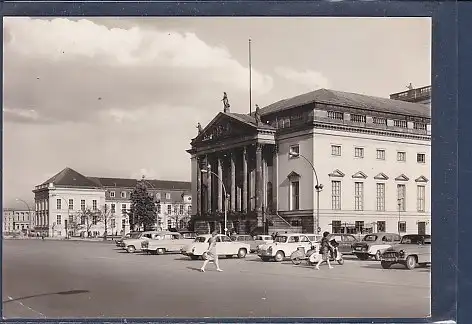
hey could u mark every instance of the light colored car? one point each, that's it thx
(373, 245)
(284, 245)
(165, 242)
(133, 244)
(245, 239)
(224, 246)
(413, 250)
(262, 239)
(314, 238)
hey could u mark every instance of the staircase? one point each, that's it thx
(280, 225)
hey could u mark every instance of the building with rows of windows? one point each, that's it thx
(324, 160)
(60, 199)
(16, 220)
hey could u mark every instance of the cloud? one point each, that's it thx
(311, 79)
(75, 70)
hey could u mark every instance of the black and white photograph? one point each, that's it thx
(216, 167)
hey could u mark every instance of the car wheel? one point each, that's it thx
(131, 249)
(385, 264)
(296, 260)
(160, 251)
(410, 262)
(377, 256)
(279, 256)
(242, 253)
(194, 257)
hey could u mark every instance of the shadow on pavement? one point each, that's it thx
(194, 269)
(69, 292)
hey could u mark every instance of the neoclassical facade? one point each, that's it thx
(370, 156)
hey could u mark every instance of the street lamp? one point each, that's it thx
(318, 188)
(66, 222)
(208, 170)
(29, 213)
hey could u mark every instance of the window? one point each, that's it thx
(58, 204)
(358, 118)
(158, 195)
(419, 126)
(336, 115)
(294, 149)
(112, 194)
(94, 204)
(169, 209)
(71, 204)
(169, 223)
(82, 204)
(359, 196)
(71, 218)
(336, 150)
(401, 227)
(82, 220)
(181, 211)
(123, 223)
(401, 197)
(123, 194)
(123, 209)
(379, 120)
(167, 195)
(359, 227)
(400, 123)
(296, 222)
(381, 226)
(380, 154)
(295, 195)
(421, 158)
(176, 209)
(113, 208)
(158, 208)
(359, 152)
(113, 223)
(380, 196)
(58, 220)
(420, 197)
(94, 220)
(189, 209)
(336, 195)
(401, 156)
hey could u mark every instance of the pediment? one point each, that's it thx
(359, 175)
(381, 176)
(337, 173)
(421, 179)
(293, 174)
(223, 126)
(402, 177)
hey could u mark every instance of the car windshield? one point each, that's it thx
(370, 238)
(200, 239)
(281, 239)
(415, 239)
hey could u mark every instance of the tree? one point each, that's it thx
(143, 211)
(74, 224)
(89, 218)
(106, 216)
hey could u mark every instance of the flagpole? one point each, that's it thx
(250, 79)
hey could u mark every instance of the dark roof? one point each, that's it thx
(348, 99)
(71, 178)
(249, 119)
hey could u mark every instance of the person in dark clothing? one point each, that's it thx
(324, 251)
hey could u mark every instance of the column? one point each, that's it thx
(209, 177)
(199, 186)
(220, 185)
(244, 180)
(275, 179)
(233, 181)
(264, 183)
(259, 183)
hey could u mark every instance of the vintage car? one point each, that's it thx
(345, 241)
(245, 239)
(188, 235)
(119, 242)
(262, 239)
(133, 244)
(314, 237)
(413, 250)
(373, 245)
(165, 242)
(224, 247)
(284, 245)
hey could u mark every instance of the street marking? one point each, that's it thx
(19, 302)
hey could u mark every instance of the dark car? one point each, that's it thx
(345, 242)
(413, 250)
(373, 245)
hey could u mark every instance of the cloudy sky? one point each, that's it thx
(121, 97)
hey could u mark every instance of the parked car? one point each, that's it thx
(314, 238)
(165, 242)
(346, 241)
(119, 242)
(224, 246)
(133, 244)
(245, 239)
(373, 245)
(413, 250)
(188, 235)
(284, 245)
(262, 239)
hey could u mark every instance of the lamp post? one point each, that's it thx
(66, 222)
(208, 170)
(318, 188)
(29, 213)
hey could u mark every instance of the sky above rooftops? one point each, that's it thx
(121, 97)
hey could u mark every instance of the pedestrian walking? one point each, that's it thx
(211, 253)
(324, 251)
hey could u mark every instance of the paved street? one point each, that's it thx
(60, 279)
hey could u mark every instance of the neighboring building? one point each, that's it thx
(60, 200)
(418, 95)
(16, 220)
(372, 156)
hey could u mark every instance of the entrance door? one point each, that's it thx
(421, 228)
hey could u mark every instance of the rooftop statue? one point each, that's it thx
(226, 104)
(199, 127)
(257, 116)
